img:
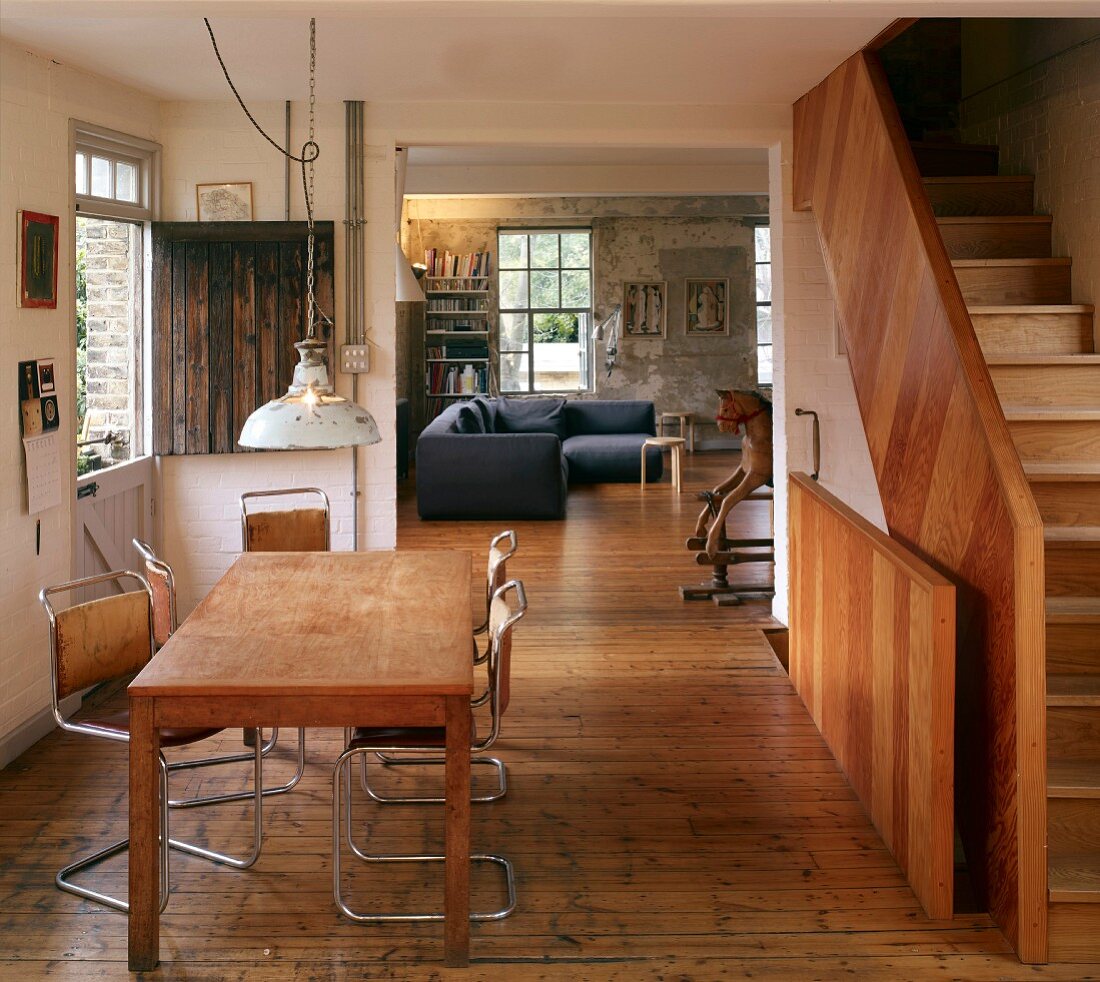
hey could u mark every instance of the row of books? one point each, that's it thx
(445, 304)
(455, 324)
(474, 350)
(445, 263)
(445, 380)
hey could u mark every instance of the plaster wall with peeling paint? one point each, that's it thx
(634, 238)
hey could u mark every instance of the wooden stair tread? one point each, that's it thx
(1073, 610)
(1052, 471)
(1026, 359)
(981, 178)
(979, 263)
(1075, 690)
(1074, 879)
(1038, 414)
(993, 219)
(1085, 536)
(1034, 308)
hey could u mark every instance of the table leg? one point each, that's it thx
(456, 899)
(144, 916)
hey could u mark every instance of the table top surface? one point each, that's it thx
(325, 623)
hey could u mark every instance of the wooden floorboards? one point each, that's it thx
(672, 813)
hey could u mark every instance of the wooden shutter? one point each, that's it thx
(229, 301)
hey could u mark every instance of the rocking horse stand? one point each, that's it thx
(731, 552)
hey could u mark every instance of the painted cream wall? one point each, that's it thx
(37, 99)
(198, 495)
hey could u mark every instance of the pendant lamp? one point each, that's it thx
(407, 285)
(311, 416)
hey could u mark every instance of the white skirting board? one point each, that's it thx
(22, 738)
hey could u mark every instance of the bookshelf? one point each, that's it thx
(458, 329)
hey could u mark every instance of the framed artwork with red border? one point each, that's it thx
(37, 259)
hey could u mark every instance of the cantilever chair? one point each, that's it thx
(497, 574)
(100, 641)
(287, 530)
(428, 740)
(162, 582)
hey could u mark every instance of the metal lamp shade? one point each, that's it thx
(408, 286)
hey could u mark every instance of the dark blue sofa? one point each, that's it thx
(515, 458)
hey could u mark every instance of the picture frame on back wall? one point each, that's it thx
(706, 306)
(645, 308)
(37, 259)
(224, 202)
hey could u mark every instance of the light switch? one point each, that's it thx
(355, 359)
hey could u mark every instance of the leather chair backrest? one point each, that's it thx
(294, 530)
(160, 582)
(102, 640)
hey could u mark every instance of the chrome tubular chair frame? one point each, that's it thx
(341, 815)
(161, 568)
(395, 757)
(498, 558)
(89, 729)
(278, 493)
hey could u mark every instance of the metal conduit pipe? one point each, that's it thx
(354, 286)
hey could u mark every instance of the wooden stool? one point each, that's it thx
(673, 444)
(687, 427)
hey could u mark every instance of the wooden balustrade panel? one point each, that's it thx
(952, 487)
(873, 657)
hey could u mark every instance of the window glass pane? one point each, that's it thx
(556, 328)
(575, 288)
(575, 249)
(101, 178)
(125, 181)
(764, 364)
(557, 366)
(763, 282)
(545, 290)
(81, 174)
(513, 372)
(513, 251)
(763, 245)
(544, 251)
(513, 290)
(763, 325)
(513, 332)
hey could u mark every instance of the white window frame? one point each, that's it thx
(758, 303)
(116, 147)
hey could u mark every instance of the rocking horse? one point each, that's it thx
(754, 412)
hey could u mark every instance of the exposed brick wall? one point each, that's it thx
(1046, 121)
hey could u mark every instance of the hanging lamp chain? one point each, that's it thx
(309, 153)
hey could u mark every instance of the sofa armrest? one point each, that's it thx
(490, 475)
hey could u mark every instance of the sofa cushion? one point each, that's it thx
(610, 457)
(469, 420)
(598, 416)
(488, 410)
(531, 416)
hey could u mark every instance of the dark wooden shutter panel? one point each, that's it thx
(228, 303)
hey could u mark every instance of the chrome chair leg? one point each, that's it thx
(217, 799)
(389, 759)
(341, 815)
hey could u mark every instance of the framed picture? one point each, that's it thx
(645, 311)
(706, 311)
(224, 202)
(37, 260)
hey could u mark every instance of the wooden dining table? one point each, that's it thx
(313, 639)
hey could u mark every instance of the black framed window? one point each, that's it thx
(763, 252)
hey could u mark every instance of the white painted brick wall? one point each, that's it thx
(1046, 121)
(37, 98)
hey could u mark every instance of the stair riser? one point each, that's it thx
(1034, 334)
(1073, 825)
(1068, 502)
(1073, 732)
(1073, 573)
(1048, 385)
(981, 197)
(1073, 649)
(1056, 440)
(993, 285)
(943, 161)
(999, 240)
(1074, 933)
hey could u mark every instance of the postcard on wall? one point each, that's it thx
(707, 310)
(224, 202)
(644, 309)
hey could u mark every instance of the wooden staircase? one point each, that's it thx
(1041, 352)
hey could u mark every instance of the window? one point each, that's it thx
(763, 243)
(545, 279)
(115, 189)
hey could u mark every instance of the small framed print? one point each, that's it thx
(37, 260)
(46, 386)
(224, 202)
(645, 311)
(706, 310)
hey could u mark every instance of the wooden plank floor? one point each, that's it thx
(673, 812)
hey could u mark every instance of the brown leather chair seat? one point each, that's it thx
(170, 736)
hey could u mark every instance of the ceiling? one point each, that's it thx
(579, 156)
